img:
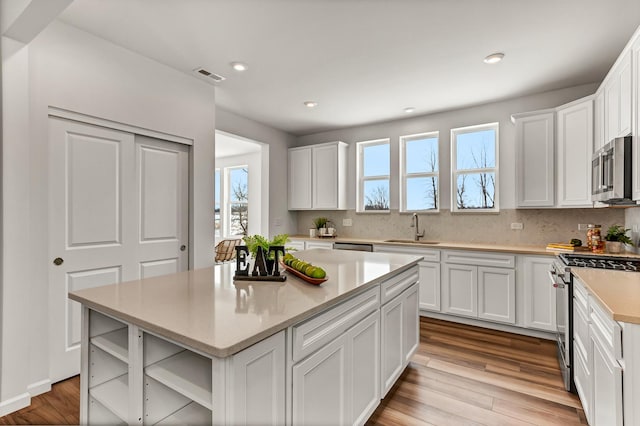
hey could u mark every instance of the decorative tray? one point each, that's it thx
(315, 281)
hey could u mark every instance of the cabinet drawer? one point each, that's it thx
(480, 259)
(312, 334)
(581, 329)
(396, 285)
(581, 295)
(606, 328)
(428, 255)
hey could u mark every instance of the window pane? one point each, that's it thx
(238, 189)
(476, 150)
(376, 194)
(476, 190)
(217, 204)
(375, 160)
(422, 193)
(239, 218)
(421, 155)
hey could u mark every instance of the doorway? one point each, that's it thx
(241, 187)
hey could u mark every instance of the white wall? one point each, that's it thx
(281, 220)
(254, 163)
(73, 70)
(444, 122)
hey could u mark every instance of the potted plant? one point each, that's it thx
(319, 223)
(253, 242)
(616, 237)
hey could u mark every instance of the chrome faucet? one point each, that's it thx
(414, 224)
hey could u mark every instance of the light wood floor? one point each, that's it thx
(461, 375)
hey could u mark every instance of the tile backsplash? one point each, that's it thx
(540, 226)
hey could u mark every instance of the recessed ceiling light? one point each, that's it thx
(239, 66)
(494, 58)
(409, 110)
(310, 104)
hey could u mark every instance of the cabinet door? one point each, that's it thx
(391, 350)
(598, 121)
(294, 245)
(321, 386)
(411, 327)
(325, 177)
(430, 286)
(612, 108)
(497, 294)
(539, 295)
(575, 144)
(460, 290)
(636, 120)
(607, 385)
(625, 96)
(364, 339)
(535, 158)
(258, 374)
(300, 178)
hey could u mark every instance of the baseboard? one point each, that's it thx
(492, 326)
(40, 387)
(15, 403)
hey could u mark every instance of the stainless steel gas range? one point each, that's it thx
(562, 280)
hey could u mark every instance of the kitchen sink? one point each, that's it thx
(411, 242)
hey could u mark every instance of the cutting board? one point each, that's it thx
(566, 246)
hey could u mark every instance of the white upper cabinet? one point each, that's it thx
(300, 178)
(535, 159)
(575, 142)
(598, 121)
(617, 99)
(635, 51)
(317, 177)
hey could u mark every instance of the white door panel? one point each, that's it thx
(100, 181)
(158, 267)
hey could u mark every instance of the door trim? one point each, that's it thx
(114, 125)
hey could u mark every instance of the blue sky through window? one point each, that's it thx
(476, 149)
(376, 160)
(238, 176)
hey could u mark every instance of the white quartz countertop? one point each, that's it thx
(617, 291)
(206, 310)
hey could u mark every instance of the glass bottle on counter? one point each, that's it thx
(592, 231)
(597, 244)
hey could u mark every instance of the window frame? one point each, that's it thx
(404, 175)
(362, 179)
(455, 172)
(218, 184)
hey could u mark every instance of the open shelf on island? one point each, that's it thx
(186, 373)
(192, 414)
(100, 415)
(114, 396)
(115, 343)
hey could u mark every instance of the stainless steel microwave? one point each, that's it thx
(611, 173)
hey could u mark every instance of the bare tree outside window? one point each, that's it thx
(377, 199)
(432, 191)
(239, 206)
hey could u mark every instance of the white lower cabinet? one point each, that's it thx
(538, 296)
(339, 384)
(496, 294)
(430, 286)
(471, 289)
(400, 335)
(318, 244)
(607, 385)
(460, 290)
(258, 373)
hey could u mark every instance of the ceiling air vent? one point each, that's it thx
(201, 72)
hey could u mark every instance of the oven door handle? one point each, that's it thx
(552, 275)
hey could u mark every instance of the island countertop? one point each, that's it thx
(206, 310)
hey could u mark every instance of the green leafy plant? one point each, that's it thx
(320, 222)
(618, 233)
(255, 241)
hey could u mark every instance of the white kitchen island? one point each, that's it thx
(198, 348)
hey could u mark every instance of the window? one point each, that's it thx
(231, 201)
(238, 196)
(373, 175)
(474, 168)
(419, 172)
(217, 219)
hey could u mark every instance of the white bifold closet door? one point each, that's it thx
(118, 212)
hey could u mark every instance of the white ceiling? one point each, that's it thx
(366, 60)
(229, 146)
